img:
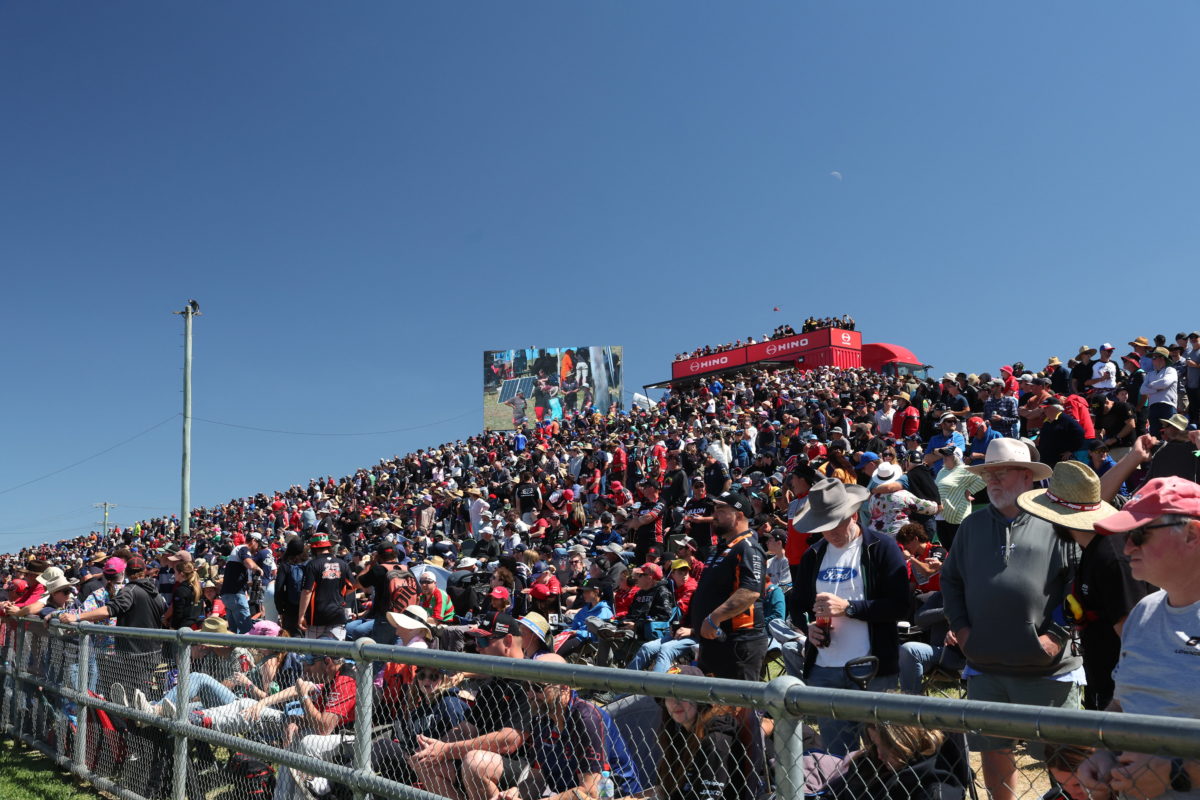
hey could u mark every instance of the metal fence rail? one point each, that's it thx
(62, 690)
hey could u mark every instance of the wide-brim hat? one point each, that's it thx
(1085, 350)
(829, 503)
(413, 618)
(49, 575)
(1005, 452)
(1177, 421)
(59, 584)
(1073, 498)
(1140, 341)
(1054, 361)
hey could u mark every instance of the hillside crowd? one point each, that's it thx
(1035, 532)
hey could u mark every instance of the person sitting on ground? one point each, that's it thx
(899, 762)
(703, 755)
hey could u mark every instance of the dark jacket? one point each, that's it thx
(652, 605)
(885, 579)
(137, 605)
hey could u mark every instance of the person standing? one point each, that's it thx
(1158, 671)
(727, 608)
(1002, 583)
(323, 593)
(1191, 360)
(1161, 389)
(854, 582)
(1103, 590)
(235, 584)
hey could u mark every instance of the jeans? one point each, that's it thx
(841, 736)
(915, 660)
(661, 653)
(237, 612)
(1156, 413)
(210, 691)
(379, 630)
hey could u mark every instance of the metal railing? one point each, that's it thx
(55, 687)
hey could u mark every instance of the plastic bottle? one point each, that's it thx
(607, 790)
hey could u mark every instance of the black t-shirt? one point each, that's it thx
(715, 476)
(676, 491)
(327, 576)
(376, 578)
(500, 703)
(1113, 420)
(1080, 375)
(739, 565)
(700, 531)
(1107, 591)
(527, 498)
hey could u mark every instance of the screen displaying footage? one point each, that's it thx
(524, 387)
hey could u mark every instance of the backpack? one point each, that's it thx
(401, 588)
(293, 579)
(256, 778)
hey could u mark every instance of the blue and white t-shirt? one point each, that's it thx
(841, 574)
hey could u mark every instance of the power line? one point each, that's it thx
(311, 433)
(89, 458)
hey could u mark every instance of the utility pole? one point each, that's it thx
(106, 506)
(192, 309)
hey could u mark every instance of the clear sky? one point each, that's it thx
(363, 196)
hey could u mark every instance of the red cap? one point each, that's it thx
(616, 486)
(650, 568)
(569, 494)
(540, 591)
(1159, 496)
(499, 592)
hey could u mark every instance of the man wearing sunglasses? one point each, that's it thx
(1159, 670)
(485, 743)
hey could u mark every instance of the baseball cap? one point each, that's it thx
(135, 564)
(867, 458)
(178, 557)
(497, 623)
(735, 500)
(680, 563)
(500, 593)
(1107, 346)
(1159, 496)
(264, 627)
(650, 568)
(386, 550)
(114, 566)
(468, 562)
(540, 591)
(428, 577)
(590, 584)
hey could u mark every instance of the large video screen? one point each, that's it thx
(524, 387)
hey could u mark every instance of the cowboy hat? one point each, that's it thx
(1085, 350)
(1071, 500)
(1054, 362)
(829, 503)
(1140, 341)
(59, 584)
(1005, 452)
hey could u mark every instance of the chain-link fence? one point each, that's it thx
(145, 715)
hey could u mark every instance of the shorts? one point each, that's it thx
(326, 632)
(1020, 691)
(739, 658)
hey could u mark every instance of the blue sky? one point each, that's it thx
(364, 196)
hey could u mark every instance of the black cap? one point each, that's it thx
(386, 550)
(590, 583)
(496, 623)
(737, 501)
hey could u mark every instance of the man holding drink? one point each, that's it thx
(853, 585)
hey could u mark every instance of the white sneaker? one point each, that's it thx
(319, 786)
(116, 694)
(141, 703)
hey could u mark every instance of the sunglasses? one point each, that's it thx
(429, 676)
(1138, 536)
(484, 641)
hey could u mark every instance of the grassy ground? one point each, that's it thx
(26, 775)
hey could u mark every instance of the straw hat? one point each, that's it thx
(1054, 362)
(829, 503)
(1140, 341)
(1005, 452)
(1071, 500)
(413, 618)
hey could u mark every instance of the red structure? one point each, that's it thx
(827, 347)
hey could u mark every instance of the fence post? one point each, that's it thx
(789, 740)
(21, 707)
(10, 674)
(364, 707)
(182, 696)
(81, 710)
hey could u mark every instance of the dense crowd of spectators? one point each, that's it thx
(824, 511)
(781, 332)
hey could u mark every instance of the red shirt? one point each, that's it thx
(683, 595)
(623, 599)
(906, 422)
(338, 698)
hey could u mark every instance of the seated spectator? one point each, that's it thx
(900, 762)
(429, 706)
(579, 633)
(924, 558)
(1062, 764)
(703, 755)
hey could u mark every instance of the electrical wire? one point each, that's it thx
(89, 458)
(311, 433)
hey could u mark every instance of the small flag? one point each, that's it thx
(776, 308)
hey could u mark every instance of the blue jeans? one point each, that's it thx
(841, 736)
(915, 660)
(360, 628)
(209, 690)
(662, 653)
(237, 612)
